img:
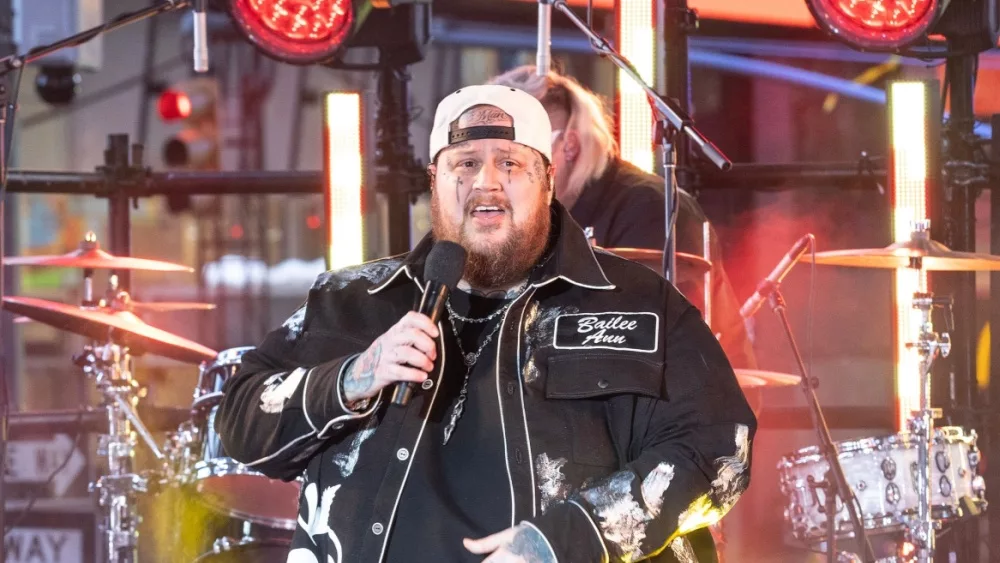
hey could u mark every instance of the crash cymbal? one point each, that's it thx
(919, 252)
(750, 378)
(90, 256)
(651, 257)
(98, 323)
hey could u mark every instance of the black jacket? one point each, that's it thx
(624, 423)
(626, 208)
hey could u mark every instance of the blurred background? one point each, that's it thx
(767, 86)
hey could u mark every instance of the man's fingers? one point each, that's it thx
(419, 340)
(404, 373)
(407, 356)
(421, 322)
(489, 544)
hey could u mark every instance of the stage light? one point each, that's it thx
(173, 105)
(877, 25)
(296, 31)
(635, 117)
(913, 149)
(194, 103)
(343, 173)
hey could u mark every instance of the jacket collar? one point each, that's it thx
(571, 258)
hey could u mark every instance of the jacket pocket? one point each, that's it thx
(581, 384)
(588, 376)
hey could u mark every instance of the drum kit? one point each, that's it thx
(192, 457)
(908, 484)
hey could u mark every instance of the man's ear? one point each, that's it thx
(571, 145)
(552, 182)
(432, 174)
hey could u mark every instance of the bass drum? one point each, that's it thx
(247, 550)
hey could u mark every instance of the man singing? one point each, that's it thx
(573, 407)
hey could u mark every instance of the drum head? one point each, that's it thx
(231, 488)
(250, 551)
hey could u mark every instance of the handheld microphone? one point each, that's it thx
(200, 34)
(766, 287)
(543, 61)
(442, 271)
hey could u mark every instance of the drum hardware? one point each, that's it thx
(933, 501)
(109, 366)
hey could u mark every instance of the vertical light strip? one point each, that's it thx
(908, 118)
(636, 29)
(343, 174)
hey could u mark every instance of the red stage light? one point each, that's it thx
(173, 105)
(878, 25)
(314, 222)
(295, 31)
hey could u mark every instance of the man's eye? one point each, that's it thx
(467, 164)
(509, 164)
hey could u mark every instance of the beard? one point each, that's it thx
(501, 264)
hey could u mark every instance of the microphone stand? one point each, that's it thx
(675, 121)
(835, 482)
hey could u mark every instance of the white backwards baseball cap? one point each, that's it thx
(531, 126)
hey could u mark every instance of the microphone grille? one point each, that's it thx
(445, 263)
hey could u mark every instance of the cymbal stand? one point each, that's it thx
(929, 345)
(110, 365)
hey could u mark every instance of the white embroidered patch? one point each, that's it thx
(655, 485)
(347, 461)
(551, 481)
(293, 325)
(278, 389)
(731, 478)
(730, 482)
(683, 551)
(610, 330)
(374, 272)
(539, 330)
(318, 522)
(301, 555)
(623, 521)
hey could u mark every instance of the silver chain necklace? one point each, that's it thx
(470, 359)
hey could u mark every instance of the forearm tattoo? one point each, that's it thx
(361, 376)
(530, 545)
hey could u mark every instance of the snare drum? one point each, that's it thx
(223, 483)
(882, 472)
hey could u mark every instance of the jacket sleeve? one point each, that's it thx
(277, 412)
(688, 463)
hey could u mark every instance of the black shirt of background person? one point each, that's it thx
(625, 207)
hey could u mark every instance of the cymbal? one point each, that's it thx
(919, 252)
(90, 256)
(750, 378)
(168, 306)
(650, 256)
(98, 323)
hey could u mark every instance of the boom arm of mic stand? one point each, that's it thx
(675, 116)
(839, 484)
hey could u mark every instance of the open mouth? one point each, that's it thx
(488, 211)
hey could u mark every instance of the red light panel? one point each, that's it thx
(882, 15)
(173, 105)
(295, 31)
(876, 24)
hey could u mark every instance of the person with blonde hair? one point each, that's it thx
(622, 204)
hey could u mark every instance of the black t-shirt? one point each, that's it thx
(464, 482)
